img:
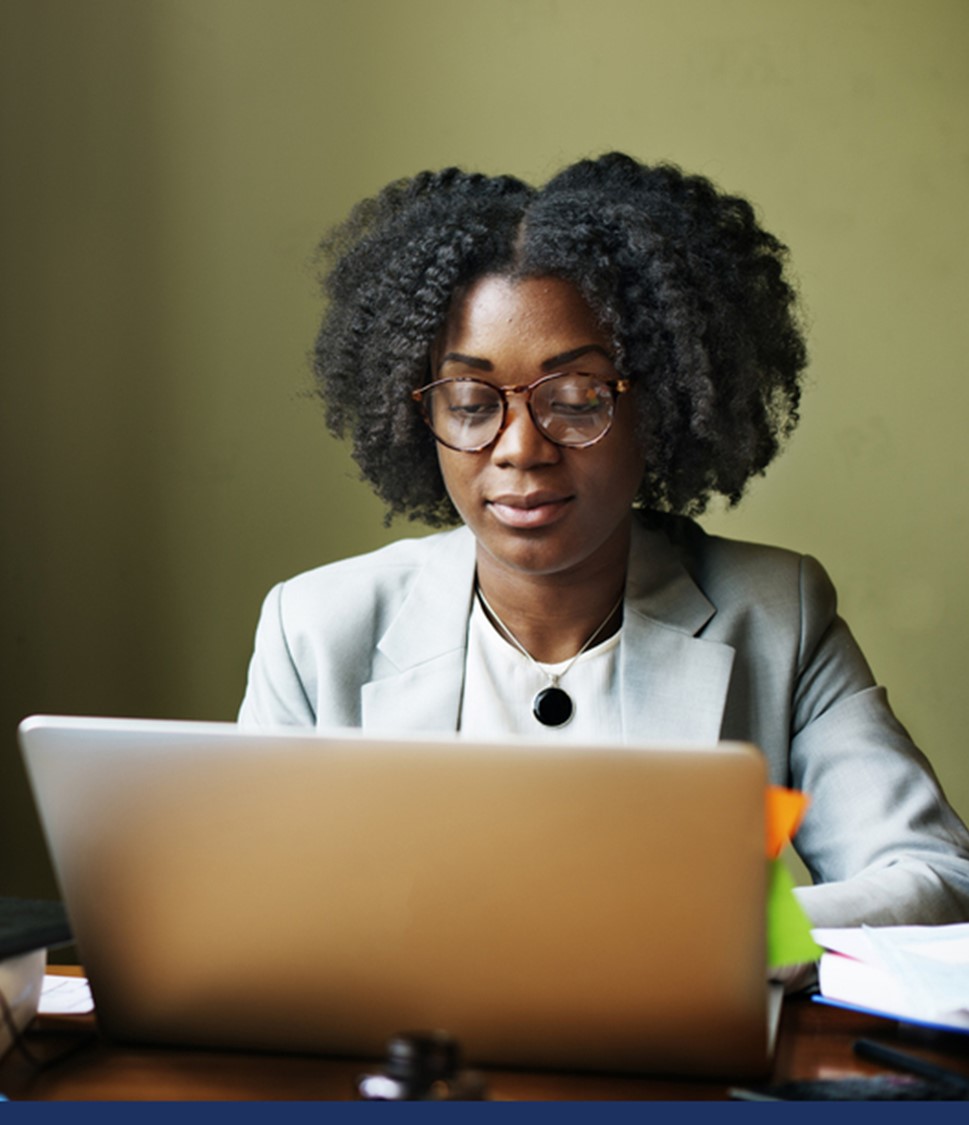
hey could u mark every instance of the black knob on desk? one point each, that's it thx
(423, 1057)
(422, 1066)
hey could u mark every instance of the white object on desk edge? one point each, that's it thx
(65, 996)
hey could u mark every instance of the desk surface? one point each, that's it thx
(815, 1041)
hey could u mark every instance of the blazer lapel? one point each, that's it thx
(420, 658)
(673, 683)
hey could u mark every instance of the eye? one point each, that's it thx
(467, 403)
(473, 410)
(577, 396)
(577, 407)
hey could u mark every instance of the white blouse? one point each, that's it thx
(500, 684)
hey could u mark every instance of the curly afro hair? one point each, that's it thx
(682, 278)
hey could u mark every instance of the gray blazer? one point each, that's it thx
(720, 639)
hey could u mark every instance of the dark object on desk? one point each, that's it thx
(29, 924)
(912, 1064)
(422, 1066)
(873, 1088)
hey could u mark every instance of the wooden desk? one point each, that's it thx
(815, 1041)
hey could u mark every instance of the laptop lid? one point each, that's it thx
(580, 907)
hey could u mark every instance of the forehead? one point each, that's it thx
(533, 317)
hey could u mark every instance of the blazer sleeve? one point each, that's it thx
(882, 844)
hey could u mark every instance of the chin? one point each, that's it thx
(535, 558)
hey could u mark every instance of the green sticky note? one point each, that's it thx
(789, 940)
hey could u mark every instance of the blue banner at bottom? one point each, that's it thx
(303, 1113)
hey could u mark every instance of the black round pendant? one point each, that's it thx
(552, 707)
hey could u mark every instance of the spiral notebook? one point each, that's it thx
(582, 907)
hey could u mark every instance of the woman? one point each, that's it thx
(570, 374)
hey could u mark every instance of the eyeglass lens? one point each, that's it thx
(570, 409)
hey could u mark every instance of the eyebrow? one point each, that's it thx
(576, 353)
(549, 364)
(468, 361)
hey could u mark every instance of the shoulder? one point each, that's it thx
(384, 563)
(369, 583)
(738, 573)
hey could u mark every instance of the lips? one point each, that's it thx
(531, 510)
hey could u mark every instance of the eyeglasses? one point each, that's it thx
(571, 409)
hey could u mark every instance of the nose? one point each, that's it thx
(522, 444)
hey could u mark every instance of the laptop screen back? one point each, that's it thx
(584, 907)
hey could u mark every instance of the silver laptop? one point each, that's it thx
(582, 907)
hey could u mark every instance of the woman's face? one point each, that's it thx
(535, 507)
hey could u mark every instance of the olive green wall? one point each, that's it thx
(167, 167)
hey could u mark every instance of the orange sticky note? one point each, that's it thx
(785, 811)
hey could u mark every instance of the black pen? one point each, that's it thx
(878, 1052)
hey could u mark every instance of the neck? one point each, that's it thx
(552, 617)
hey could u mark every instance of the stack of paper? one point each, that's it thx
(918, 974)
